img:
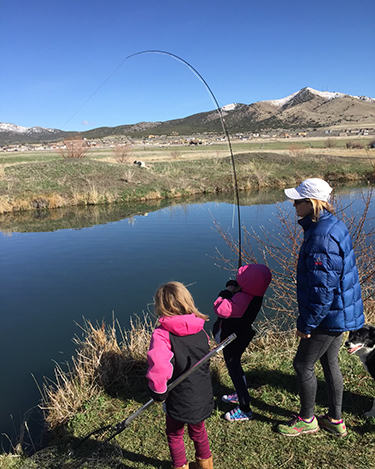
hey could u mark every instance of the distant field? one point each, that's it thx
(150, 153)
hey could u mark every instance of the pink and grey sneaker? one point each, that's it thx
(237, 414)
(298, 426)
(230, 398)
(336, 428)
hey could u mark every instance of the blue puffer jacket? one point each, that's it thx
(328, 290)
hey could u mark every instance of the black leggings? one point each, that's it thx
(232, 355)
(323, 346)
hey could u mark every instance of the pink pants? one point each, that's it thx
(175, 434)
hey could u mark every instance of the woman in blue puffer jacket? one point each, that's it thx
(329, 303)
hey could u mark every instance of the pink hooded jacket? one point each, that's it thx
(254, 280)
(160, 353)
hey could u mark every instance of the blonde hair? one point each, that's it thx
(173, 299)
(318, 207)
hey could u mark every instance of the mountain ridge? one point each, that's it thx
(306, 108)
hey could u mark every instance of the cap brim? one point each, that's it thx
(293, 194)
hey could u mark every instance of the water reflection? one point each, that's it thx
(81, 217)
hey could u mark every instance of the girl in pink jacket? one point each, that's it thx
(237, 307)
(176, 345)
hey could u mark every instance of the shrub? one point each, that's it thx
(74, 148)
(330, 143)
(297, 151)
(355, 145)
(175, 155)
(123, 153)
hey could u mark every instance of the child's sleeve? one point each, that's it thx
(233, 307)
(160, 368)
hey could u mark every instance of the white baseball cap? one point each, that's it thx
(313, 188)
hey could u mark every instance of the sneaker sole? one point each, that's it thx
(239, 420)
(229, 402)
(307, 432)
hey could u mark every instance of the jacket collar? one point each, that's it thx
(306, 222)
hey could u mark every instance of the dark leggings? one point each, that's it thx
(232, 355)
(323, 346)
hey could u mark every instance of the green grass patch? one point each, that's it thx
(59, 182)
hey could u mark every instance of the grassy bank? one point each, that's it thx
(60, 183)
(107, 384)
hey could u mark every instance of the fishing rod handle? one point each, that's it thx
(122, 425)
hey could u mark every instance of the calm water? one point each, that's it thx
(58, 267)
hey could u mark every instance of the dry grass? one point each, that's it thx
(56, 201)
(5, 205)
(34, 202)
(93, 196)
(152, 196)
(370, 312)
(90, 197)
(101, 361)
(128, 176)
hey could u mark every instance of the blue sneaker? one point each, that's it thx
(237, 414)
(230, 398)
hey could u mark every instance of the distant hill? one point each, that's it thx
(10, 133)
(307, 108)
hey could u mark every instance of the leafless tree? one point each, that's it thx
(73, 148)
(123, 153)
(330, 143)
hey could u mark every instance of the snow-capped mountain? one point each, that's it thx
(306, 108)
(230, 107)
(10, 133)
(328, 95)
(18, 129)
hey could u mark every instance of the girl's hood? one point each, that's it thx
(254, 279)
(182, 325)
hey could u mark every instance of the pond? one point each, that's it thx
(59, 267)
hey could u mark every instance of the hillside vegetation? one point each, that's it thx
(49, 181)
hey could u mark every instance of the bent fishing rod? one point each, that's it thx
(222, 120)
(117, 428)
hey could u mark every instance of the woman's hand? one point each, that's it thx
(302, 335)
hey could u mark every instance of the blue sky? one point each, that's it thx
(58, 58)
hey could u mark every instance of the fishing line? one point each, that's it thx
(222, 120)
